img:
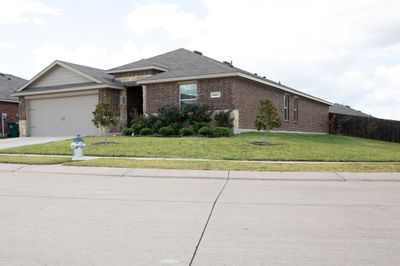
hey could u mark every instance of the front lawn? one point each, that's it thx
(289, 146)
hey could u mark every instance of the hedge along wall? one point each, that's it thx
(364, 127)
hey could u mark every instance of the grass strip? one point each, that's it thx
(241, 166)
(33, 159)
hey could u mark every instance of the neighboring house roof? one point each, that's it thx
(183, 64)
(9, 84)
(96, 78)
(346, 110)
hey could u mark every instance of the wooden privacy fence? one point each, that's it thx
(364, 127)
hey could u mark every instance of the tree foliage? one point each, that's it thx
(268, 117)
(104, 117)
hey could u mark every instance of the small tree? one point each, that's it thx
(104, 118)
(268, 117)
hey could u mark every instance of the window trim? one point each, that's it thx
(286, 105)
(179, 92)
(296, 109)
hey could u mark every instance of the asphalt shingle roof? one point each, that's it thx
(346, 110)
(184, 63)
(180, 62)
(9, 84)
(99, 74)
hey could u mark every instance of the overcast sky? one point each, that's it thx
(342, 51)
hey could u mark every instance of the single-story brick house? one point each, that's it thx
(61, 98)
(9, 104)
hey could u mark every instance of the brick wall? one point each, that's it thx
(313, 116)
(244, 96)
(222, 85)
(162, 94)
(112, 96)
(12, 114)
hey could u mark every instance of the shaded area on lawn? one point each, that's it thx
(292, 147)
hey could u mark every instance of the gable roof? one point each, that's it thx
(9, 84)
(346, 110)
(94, 75)
(182, 64)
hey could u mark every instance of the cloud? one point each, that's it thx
(25, 11)
(343, 51)
(176, 23)
(6, 45)
(376, 90)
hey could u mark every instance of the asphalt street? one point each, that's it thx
(61, 218)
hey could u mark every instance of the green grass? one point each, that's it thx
(289, 146)
(242, 166)
(33, 159)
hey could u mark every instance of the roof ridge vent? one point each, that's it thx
(197, 52)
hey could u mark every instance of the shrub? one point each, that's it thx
(169, 115)
(150, 120)
(146, 131)
(127, 131)
(185, 132)
(204, 131)
(176, 127)
(166, 131)
(138, 121)
(156, 125)
(220, 132)
(196, 113)
(224, 119)
(138, 125)
(198, 125)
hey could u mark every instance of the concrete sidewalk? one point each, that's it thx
(200, 174)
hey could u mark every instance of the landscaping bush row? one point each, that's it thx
(191, 120)
(184, 132)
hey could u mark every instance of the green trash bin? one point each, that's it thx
(13, 130)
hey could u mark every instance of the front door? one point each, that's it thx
(134, 97)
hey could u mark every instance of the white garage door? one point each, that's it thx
(66, 116)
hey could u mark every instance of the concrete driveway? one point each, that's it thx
(23, 141)
(118, 218)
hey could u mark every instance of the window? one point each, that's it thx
(296, 109)
(187, 94)
(286, 107)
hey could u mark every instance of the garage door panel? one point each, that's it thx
(66, 116)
